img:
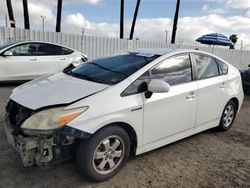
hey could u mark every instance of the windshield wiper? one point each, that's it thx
(107, 69)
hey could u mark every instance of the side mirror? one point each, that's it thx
(249, 65)
(7, 53)
(158, 86)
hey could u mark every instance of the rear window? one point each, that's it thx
(223, 67)
(206, 67)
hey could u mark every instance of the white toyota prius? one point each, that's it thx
(127, 104)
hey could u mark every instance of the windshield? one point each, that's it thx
(112, 70)
(5, 46)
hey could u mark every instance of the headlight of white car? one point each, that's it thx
(47, 121)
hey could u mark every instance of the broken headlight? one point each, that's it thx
(48, 121)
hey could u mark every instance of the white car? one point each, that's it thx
(110, 108)
(27, 60)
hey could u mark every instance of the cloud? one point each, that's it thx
(154, 29)
(36, 9)
(213, 11)
(239, 4)
(93, 2)
(150, 29)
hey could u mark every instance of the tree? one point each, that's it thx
(26, 15)
(176, 16)
(234, 39)
(10, 12)
(59, 14)
(121, 19)
(134, 20)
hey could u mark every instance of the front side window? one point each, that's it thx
(111, 70)
(206, 67)
(175, 70)
(28, 49)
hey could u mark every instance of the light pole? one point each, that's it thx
(43, 17)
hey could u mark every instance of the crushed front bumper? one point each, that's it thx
(41, 150)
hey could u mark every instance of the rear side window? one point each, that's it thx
(66, 51)
(206, 67)
(51, 49)
(176, 70)
(223, 67)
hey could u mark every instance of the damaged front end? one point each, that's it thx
(42, 137)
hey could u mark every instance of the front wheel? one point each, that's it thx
(228, 116)
(104, 154)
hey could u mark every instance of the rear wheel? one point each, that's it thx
(104, 154)
(228, 116)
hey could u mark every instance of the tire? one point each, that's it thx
(94, 156)
(228, 116)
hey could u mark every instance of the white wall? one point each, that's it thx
(100, 46)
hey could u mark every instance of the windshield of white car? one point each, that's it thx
(6, 45)
(112, 70)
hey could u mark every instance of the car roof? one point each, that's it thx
(155, 51)
(164, 51)
(37, 41)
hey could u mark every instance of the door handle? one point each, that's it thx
(191, 95)
(62, 59)
(33, 59)
(223, 85)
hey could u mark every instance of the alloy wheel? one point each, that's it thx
(228, 116)
(108, 155)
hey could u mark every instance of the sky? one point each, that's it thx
(155, 17)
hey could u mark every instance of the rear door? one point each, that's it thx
(52, 59)
(22, 65)
(212, 90)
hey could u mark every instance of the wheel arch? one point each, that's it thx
(236, 102)
(131, 133)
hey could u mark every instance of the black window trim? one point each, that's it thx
(193, 75)
(206, 55)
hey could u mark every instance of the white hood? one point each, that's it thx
(53, 90)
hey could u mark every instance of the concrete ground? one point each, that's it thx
(209, 159)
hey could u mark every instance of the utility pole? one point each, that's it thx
(59, 14)
(26, 15)
(134, 20)
(176, 16)
(6, 20)
(43, 17)
(11, 14)
(241, 45)
(121, 19)
(166, 36)
(83, 30)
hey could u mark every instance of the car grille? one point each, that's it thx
(16, 115)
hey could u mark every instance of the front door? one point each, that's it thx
(167, 114)
(22, 64)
